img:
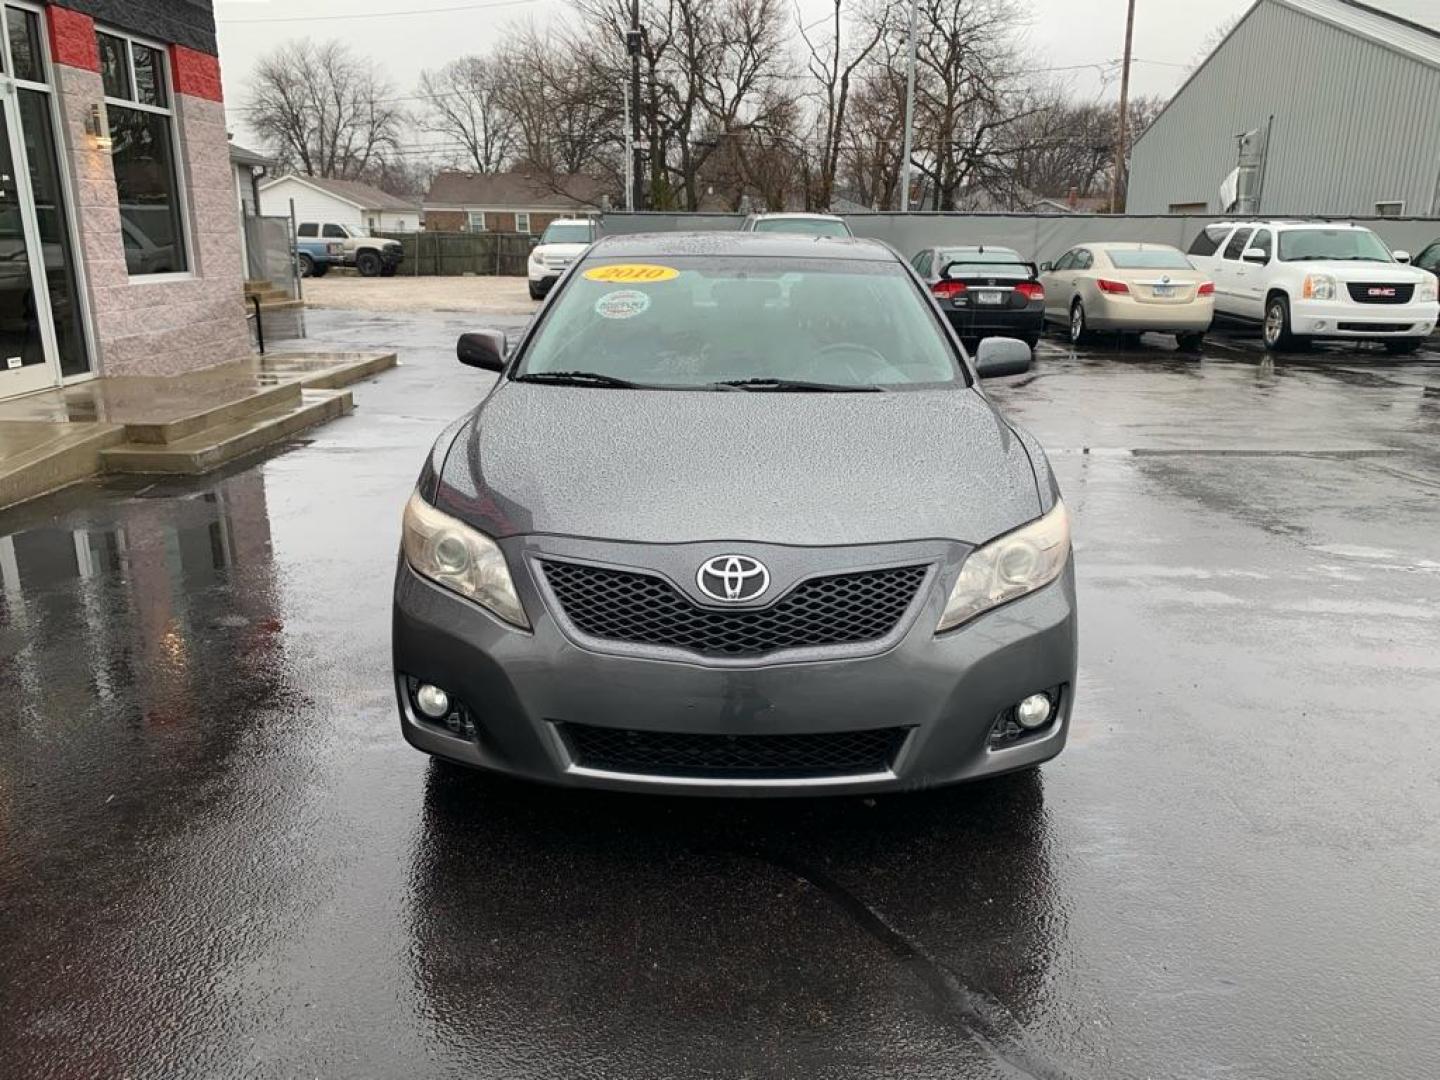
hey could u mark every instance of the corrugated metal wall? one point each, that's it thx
(1037, 236)
(1355, 123)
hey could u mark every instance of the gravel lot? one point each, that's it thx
(348, 292)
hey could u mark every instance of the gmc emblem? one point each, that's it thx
(1380, 292)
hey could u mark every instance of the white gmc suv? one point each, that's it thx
(1307, 279)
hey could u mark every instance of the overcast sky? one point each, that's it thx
(1087, 35)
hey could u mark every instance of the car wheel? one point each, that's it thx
(368, 263)
(321, 269)
(535, 293)
(307, 265)
(1190, 342)
(1079, 331)
(388, 270)
(1032, 340)
(1403, 346)
(1277, 325)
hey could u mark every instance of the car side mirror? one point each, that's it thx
(1001, 356)
(1256, 255)
(1045, 268)
(1402, 256)
(534, 242)
(483, 349)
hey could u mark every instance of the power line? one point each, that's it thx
(378, 14)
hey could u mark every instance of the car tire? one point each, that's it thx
(1275, 331)
(1403, 346)
(388, 270)
(1190, 342)
(321, 269)
(368, 263)
(1079, 327)
(535, 293)
(1032, 340)
(307, 265)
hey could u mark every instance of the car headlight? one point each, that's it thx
(460, 558)
(1009, 566)
(1428, 289)
(1318, 287)
(536, 256)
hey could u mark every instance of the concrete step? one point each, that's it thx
(36, 457)
(214, 446)
(325, 371)
(219, 408)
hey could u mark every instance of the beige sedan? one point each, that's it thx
(1130, 288)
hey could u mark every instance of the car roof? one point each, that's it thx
(1127, 245)
(1290, 223)
(798, 214)
(762, 245)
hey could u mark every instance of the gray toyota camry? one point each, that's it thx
(737, 518)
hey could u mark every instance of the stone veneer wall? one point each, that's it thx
(147, 327)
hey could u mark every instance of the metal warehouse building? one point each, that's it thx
(1323, 107)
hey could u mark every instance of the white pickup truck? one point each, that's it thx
(371, 255)
(1301, 280)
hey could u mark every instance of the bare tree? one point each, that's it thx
(832, 66)
(324, 111)
(873, 139)
(463, 103)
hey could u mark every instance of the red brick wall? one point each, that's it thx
(495, 221)
(445, 221)
(195, 73)
(72, 38)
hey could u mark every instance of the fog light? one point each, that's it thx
(432, 701)
(1322, 325)
(1033, 712)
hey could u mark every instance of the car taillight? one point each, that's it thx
(1207, 288)
(1031, 290)
(947, 289)
(1113, 287)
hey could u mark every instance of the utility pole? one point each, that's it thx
(633, 42)
(1116, 180)
(629, 152)
(910, 111)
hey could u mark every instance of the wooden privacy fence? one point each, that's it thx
(453, 254)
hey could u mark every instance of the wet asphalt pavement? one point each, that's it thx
(218, 858)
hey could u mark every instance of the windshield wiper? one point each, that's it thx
(578, 378)
(798, 386)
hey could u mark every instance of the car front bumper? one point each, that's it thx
(946, 691)
(1329, 319)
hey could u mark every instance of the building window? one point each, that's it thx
(522, 223)
(147, 175)
(477, 221)
(1393, 208)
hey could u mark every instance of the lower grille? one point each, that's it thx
(1374, 327)
(666, 753)
(623, 605)
(1375, 292)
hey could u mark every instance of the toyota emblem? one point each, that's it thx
(733, 579)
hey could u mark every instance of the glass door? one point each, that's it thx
(27, 339)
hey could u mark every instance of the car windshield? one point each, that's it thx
(1148, 259)
(566, 232)
(804, 226)
(1344, 245)
(704, 322)
(998, 255)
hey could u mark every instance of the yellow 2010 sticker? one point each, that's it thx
(632, 273)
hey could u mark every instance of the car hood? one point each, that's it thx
(782, 468)
(1393, 273)
(567, 251)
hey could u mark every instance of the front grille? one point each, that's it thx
(642, 609)
(1378, 292)
(668, 753)
(1374, 327)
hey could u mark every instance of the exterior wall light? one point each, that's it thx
(98, 129)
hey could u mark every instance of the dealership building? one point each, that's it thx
(117, 201)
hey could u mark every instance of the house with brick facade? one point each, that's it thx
(510, 202)
(119, 224)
